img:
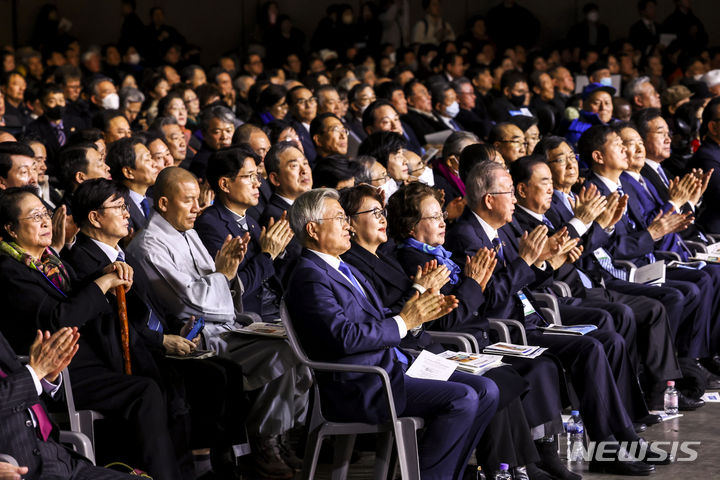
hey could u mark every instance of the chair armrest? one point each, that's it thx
(561, 288)
(696, 246)
(550, 315)
(503, 324)
(628, 266)
(459, 339)
(665, 255)
(550, 302)
(8, 459)
(715, 237)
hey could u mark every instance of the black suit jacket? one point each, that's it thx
(45, 131)
(17, 436)
(283, 266)
(641, 37)
(199, 163)
(138, 220)
(423, 124)
(257, 267)
(707, 157)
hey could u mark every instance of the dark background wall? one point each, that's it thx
(219, 25)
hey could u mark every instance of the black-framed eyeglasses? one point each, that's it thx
(515, 141)
(250, 178)
(438, 217)
(563, 160)
(123, 207)
(376, 212)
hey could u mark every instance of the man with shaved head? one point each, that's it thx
(187, 282)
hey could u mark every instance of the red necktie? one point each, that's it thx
(44, 423)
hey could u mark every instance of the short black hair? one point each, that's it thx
(318, 123)
(386, 89)
(7, 151)
(276, 127)
(522, 169)
(272, 157)
(73, 159)
(510, 78)
(227, 162)
(368, 117)
(91, 195)
(164, 103)
(593, 139)
(642, 119)
(381, 145)
(102, 119)
(472, 155)
(121, 154)
(49, 89)
(550, 142)
(91, 135)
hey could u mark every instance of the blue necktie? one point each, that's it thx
(547, 223)
(566, 197)
(348, 273)
(607, 264)
(497, 245)
(153, 321)
(145, 207)
(60, 133)
(664, 178)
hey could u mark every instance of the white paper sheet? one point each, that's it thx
(431, 367)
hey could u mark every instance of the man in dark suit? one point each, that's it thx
(29, 436)
(260, 144)
(212, 387)
(533, 181)
(707, 158)
(233, 176)
(597, 372)
(302, 110)
(420, 115)
(55, 126)
(392, 93)
(330, 136)
(217, 125)
(132, 165)
(338, 317)
(634, 238)
(645, 33)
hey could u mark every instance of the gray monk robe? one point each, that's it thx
(184, 282)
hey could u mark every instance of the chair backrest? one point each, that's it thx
(291, 335)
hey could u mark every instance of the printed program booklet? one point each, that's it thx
(554, 329)
(525, 351)
(475, 363)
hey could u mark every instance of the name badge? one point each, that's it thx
(528, 309)
(601, 255)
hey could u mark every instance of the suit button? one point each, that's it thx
(485, 335)
(475, 314)
(28, 423)
(36, 452)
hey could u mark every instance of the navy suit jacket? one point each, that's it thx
(630, 240)
(707, 157)
(307, 143)
(336, 323)
(138, 220)
(647, 205)
(465, 238)
(213, 227)
(413, 143)
(42, 128)
(284, 266)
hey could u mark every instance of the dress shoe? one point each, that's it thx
(712, 364)
(712, 381)
(267, 459)
(550, 462)
(639, 427)
(687, 404)
(650, 419)
(618, 467)
(652, 458)
(533, 472)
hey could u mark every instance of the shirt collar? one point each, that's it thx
(286, 199)
(536, 216)
(489, 231)
(608, 183)
(634, 175)
(110, 252)
(329, 259)
(652, 164)
(136, 198)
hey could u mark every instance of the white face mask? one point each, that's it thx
(607, 81)
(388, 188)
(111, 101)
(452, 110)
(134, 58)
(427, 177)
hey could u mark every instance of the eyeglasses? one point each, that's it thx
(337, 129)
(250, 178)
(512, 194)
(304, 102)
(123, 207)
(563, 160)
(376, 212)
(342, 218)
(384, 178)
(438, 217)
(37, 217)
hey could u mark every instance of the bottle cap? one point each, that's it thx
(504, 467)
(574, 412)
(671, 383)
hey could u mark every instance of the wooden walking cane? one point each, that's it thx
(124, 331)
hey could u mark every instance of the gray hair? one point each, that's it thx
(456, 143)
(216, 111)
(459, 82)
(634, 87)
(364, 174)
(309, 207)
(95, 83)
(481, 181)
(130, 95)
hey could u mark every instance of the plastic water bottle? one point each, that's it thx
(504, 473)
(575, 437)
(671, 399)
(480, 475)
